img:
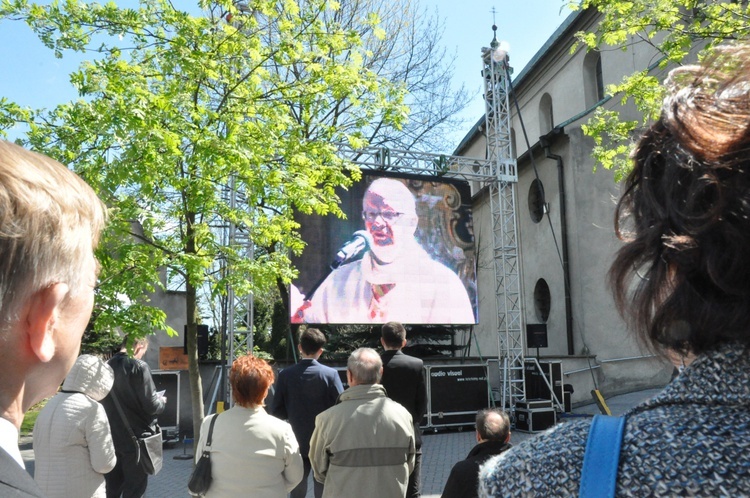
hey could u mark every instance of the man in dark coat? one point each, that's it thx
(493, 436)
(302, 392)
(141, 403)
(403, 379)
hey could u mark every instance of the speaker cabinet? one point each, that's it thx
(535, 415)
(202, 340)
(534, 380)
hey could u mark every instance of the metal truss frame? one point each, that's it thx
(503, 202)
(239, 311)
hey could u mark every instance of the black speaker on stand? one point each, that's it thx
(536, 336)
(202, 341)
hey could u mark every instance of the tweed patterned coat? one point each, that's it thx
(692, 439)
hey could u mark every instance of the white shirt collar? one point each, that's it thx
(9, 440)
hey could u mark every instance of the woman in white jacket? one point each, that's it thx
(72, 442)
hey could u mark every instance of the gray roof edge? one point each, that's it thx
(469, 135)
(551, 41)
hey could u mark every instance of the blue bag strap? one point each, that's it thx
(599, 473)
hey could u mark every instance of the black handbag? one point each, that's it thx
(148, 449)
(201, 478)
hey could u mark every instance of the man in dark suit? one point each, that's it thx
(403, 379)
(50, 222)
(493, 438)
(302, 392)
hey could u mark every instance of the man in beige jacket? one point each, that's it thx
(366, 441)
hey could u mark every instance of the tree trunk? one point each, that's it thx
(196, 386)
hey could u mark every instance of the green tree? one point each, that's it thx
(173, 108)
(675, 29)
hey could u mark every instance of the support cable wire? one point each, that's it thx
(566, 282)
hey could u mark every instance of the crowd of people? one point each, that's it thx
(363, 437)
(680, 279)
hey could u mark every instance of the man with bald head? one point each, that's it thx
(396, 280)
(363, 445)
(493, 438)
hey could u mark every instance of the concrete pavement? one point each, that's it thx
(440, 451)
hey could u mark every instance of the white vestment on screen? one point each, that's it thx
(416, 290)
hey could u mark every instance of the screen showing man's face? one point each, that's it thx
(418, 265)
(390, 217)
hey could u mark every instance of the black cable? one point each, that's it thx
(549, 219)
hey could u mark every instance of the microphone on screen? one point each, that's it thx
(360, 242)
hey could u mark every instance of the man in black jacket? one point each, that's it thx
(137, 396)
(403, 379)
(493, 436)
(302, 392)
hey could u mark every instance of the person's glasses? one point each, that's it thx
(371, 216)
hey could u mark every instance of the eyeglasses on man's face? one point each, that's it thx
(371, 216)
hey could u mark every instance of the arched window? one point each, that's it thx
(537, 206)
(593, 82)
(542, 300)
(513, 147)
(546, 118)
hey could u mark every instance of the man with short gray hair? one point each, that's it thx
(366, 441)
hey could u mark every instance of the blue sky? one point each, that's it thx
(524, 24)
(33, 77)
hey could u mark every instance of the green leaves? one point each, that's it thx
(674, 29)
(612, 139)
(174, 106)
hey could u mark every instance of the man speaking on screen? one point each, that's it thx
(395, 280)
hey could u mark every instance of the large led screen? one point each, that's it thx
(404, 253)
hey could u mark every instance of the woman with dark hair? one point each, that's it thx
(252, 453)
(682, 281)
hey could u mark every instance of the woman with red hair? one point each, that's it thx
(252, 453)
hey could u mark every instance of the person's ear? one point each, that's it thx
(348, 377)
(139, 351)
(382, 343)
(403, 344)
(40, 320)
(507, 439)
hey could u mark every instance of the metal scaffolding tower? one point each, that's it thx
(239, 311)
(496, 75)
